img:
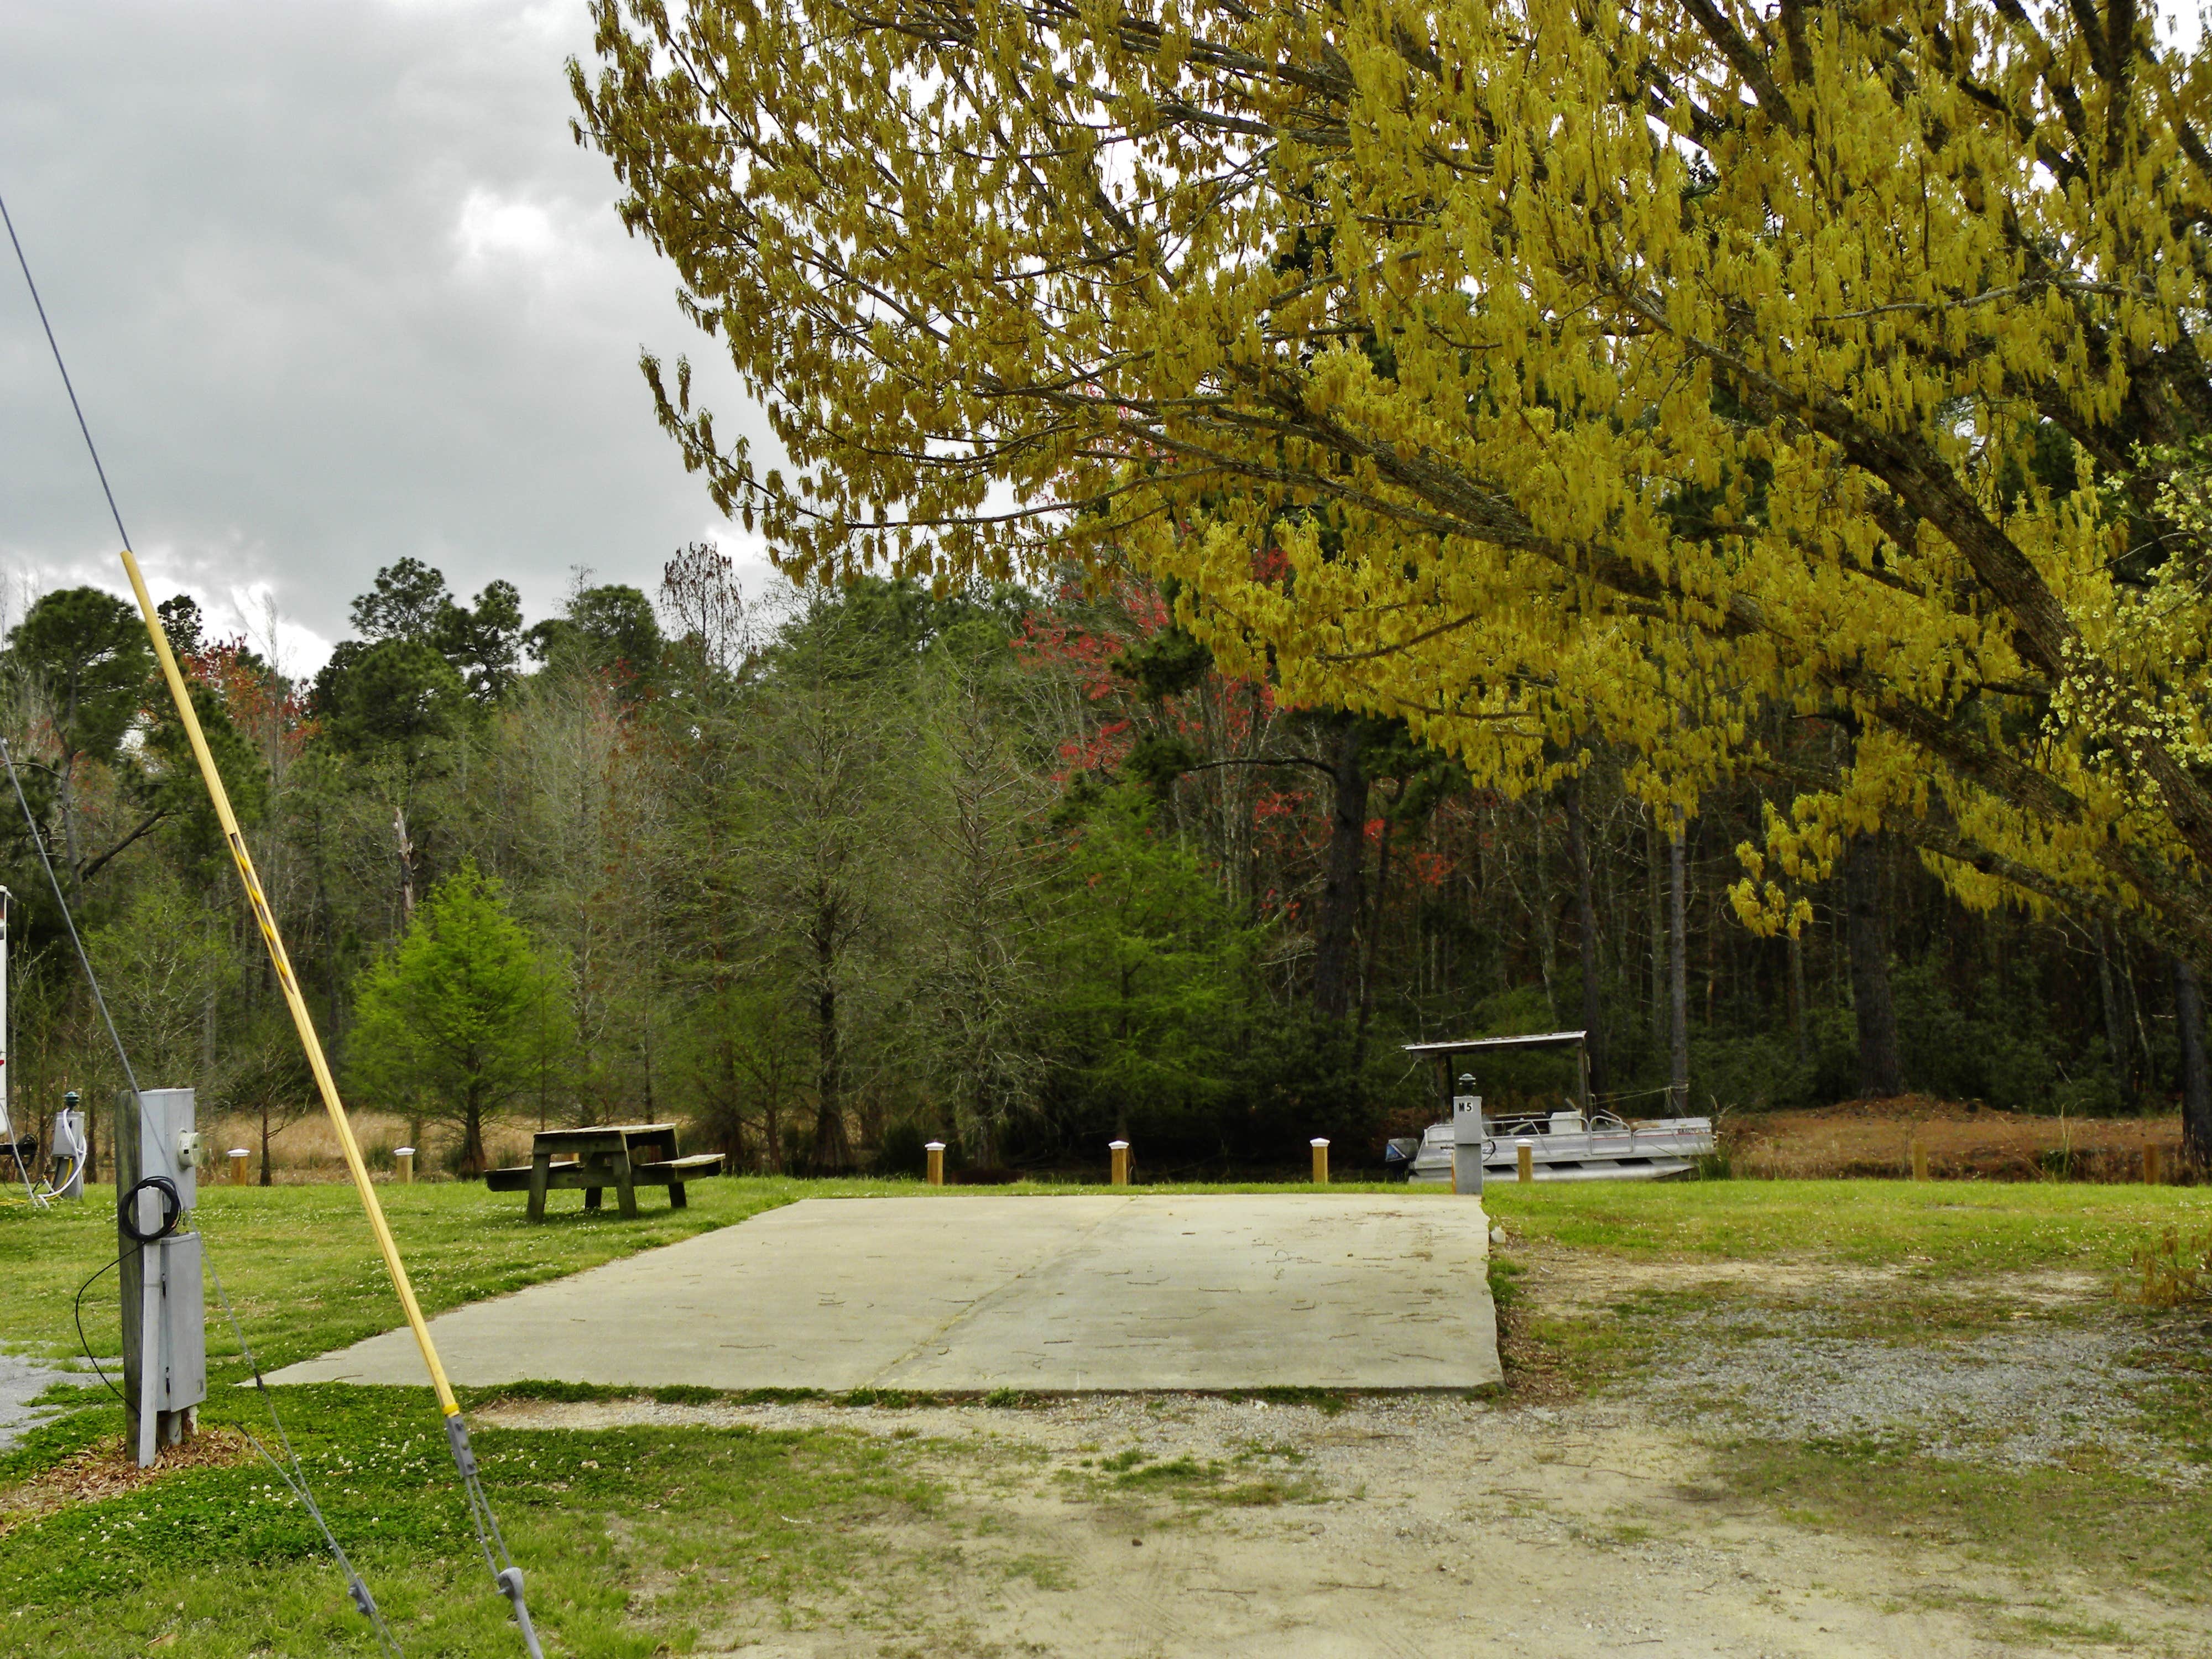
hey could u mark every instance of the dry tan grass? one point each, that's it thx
(1963, 1142)
(307, 1151)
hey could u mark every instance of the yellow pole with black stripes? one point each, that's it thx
(316, 1060)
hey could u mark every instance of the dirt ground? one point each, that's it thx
(1964, 1140)
(1557, 1520)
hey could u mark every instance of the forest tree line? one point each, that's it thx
(827, 872)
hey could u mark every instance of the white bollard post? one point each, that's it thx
(936, 1151)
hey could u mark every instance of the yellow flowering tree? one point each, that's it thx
(1548, 373)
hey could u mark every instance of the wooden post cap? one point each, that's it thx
(933, 1146)
(1117, 1145)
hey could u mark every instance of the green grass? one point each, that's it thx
(224, 1562)
(1946, 1226)
(1247, 1480)
(2119, 1528)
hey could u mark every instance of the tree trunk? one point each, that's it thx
(1797, 999)
(1343, 882)
(1374, 943)
(406, 866)
(71, 854)
(1121, 1031)
(772, 1124)
(830, 1150)
(1678, 990)
(265, 1180)
(2118, 1045)
(1880, 1073)
(1538, 903)
(2196, 1081)
(1586, 923)
(1656, 867)
(472, 1145)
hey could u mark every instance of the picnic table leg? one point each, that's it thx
(625, 1187)
(676, 1200)
(591, 1198)
(541, 1165)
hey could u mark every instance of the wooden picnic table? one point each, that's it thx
(623, 1156)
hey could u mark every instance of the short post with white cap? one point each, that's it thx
(1120, 1149)
(240, 1157)
(402, 1160)
(936, 1151)
(1320, 1160)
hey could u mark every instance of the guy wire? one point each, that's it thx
(54, 345)
(507, 1576)
(296, 1480)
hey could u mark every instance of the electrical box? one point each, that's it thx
(169, 1141)
(182, 1382)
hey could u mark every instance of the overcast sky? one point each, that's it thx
(336, 286)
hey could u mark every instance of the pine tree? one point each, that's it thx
(461, 1017)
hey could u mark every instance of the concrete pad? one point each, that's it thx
(958, 1293)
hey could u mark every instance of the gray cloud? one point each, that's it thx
(336, 286)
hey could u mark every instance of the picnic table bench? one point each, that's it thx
(623, 1156)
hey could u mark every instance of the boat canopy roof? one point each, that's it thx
(1470, 1045)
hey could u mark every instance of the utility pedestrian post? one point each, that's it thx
(71, 1148)
(157, 1155)
(1470, 1136)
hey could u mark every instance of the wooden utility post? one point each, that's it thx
(164, 1314)
(1320, 1161)
(1120, 1151)
(936, 1151)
